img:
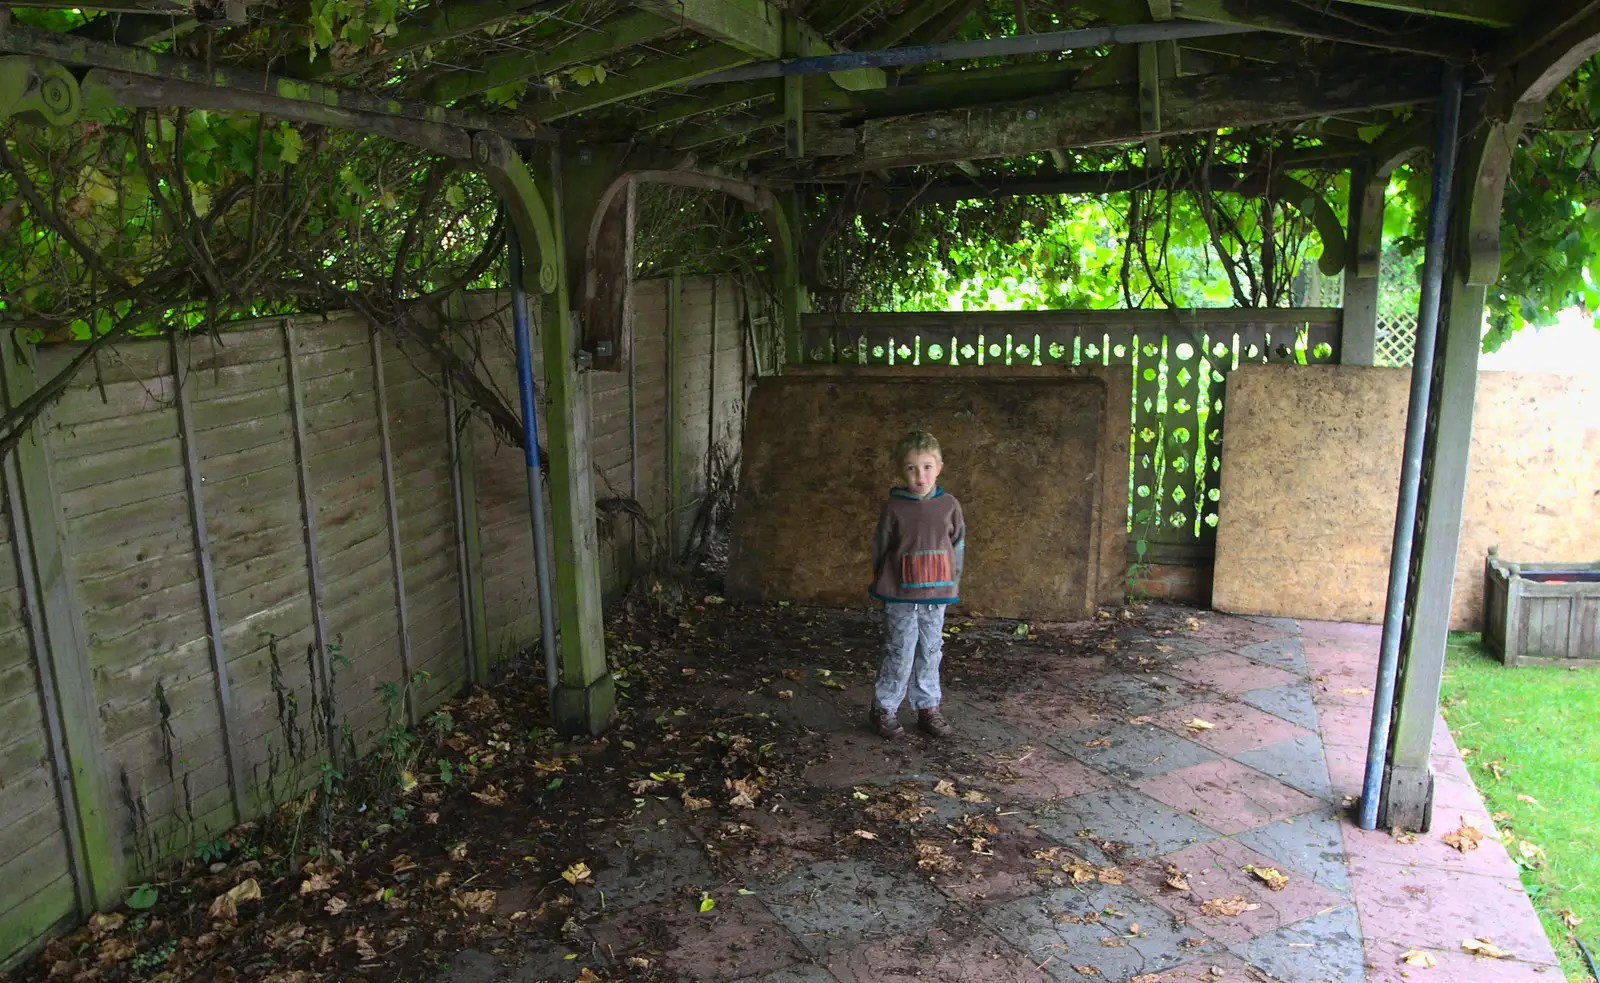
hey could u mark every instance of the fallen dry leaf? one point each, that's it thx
(1570, 918)
(833, 684)
(1497, 768)
(317, 883)
(1356, 690)
(1139, 721)
(1466, 838)
(1416, 957)
(643, 786)
(1229, 907)
(794, 674)
(578, 873)
(1110, 875)
(1481, 946)
(458, 851)
(226, 906)
(335, 906)
(1530, 851)
(490, 796)
(864, 834)
(945, 787)
(116, 951)
(785, 694)
(1193, 624)
(1087, 970)
(931, 856)
(1197, 724)
(1271, 876)
(1146, 978)
(905, 807)
(364, 948)
(1529, 799)
(693, 804)
(102, 925)
(974, 796)
(1401, 836)
(1099, 742)
(1175, 879)
(476, 902)
(588, 976)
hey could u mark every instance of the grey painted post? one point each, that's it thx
(1408, 782)
(178, 343)
(386, 453)
(1358, 343)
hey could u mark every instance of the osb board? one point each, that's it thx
(1312, 473)
(1022, 451)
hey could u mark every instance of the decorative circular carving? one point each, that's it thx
(547, 278)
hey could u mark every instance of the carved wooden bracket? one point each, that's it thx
(607, 300)
(530, 214)
(38, 91)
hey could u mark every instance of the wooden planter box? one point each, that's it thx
(1542, 614)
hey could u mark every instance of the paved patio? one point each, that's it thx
(1081, 796)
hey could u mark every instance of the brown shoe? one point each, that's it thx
(932, 721)
(886, 724)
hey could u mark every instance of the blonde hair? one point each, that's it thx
(917, 442)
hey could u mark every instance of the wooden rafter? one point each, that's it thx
(640, 80)
(1373, 29)
(1111, 116)
(606, 40)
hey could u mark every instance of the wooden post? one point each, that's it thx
(71, 710)
(1407, 796)
(308, 512)
(391, 502)
(1358, 343)
(792, 298)
(674, 357)
(179, 344)
(585, 702)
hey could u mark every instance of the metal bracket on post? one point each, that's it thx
(38, 91)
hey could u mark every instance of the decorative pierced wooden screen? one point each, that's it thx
(1180, 362)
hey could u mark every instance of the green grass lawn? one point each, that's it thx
(1541, 727)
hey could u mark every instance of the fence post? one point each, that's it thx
(178, 343)
(386, 454)
(57, 633)
(308, 510)
(674, 357)
(469, 549)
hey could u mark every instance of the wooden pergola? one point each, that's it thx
(766, 100)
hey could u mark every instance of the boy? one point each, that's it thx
(916, 567)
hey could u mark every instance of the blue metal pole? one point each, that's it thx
(530, 440)
(1447, 131)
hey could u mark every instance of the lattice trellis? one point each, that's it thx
(1180, 367)
(1398, 290)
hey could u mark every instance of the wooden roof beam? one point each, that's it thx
(1490, 13)
(613, 36)
(1392, 33)
(640, 80)
(450, 19)
(1110, 116)
(756, 27)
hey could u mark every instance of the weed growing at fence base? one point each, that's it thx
(1531, 733)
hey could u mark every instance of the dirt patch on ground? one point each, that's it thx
(731, 767)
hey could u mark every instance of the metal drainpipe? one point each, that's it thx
(530, 439)
(1444, 167)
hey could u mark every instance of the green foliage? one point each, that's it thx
(143, 897)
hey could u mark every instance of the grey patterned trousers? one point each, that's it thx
(912, 646)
